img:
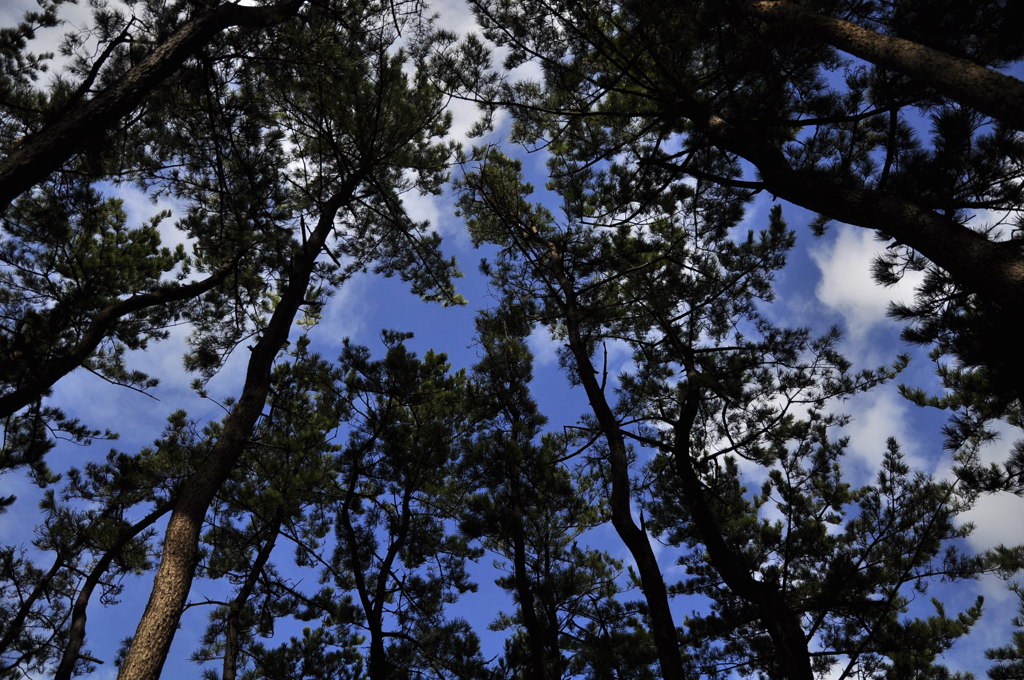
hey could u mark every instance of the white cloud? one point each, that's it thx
(141, 207)
(996, 521)
(345, 314)
(420, 207)
(544, 346)
(455, 16)
(846, 285)
(876, 416)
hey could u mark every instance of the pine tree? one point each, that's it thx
(395, 551)
(356, 123)
(679, 92)
(80, 286)
(533, 510)
(713, 382)
(1010, 657)
(93, 549)
(278, 494)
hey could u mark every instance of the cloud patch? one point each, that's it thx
(846, 285)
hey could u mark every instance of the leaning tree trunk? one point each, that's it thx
(663, 629)
(652, 582)
(992, 270)
(173, 579)
(782, 623)
(993, 93)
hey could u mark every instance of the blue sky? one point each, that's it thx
(826, 282)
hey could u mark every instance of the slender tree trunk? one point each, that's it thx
(993, 93)
(371, 599)
(663, 627)
(43, 377)
(782, 622)
(233, 633)
(380, 666)
(76, 632)
(524, 591)
(173, 579)
(44, 151)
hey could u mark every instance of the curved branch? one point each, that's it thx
(43, 377)
(76, 632)
(990, 269)
(782, 622)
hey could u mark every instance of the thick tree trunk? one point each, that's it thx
(993, 93)
(46, 150)
(42, 377)
(173, 579)
(76, 632)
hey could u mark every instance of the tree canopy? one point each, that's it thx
(690, 509)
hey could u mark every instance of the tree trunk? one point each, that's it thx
(993, 93)
(994, 271)
(233, 633)
(44, 151)
(173, 579)
(663, 627)
(524, 591)
(782, 622)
